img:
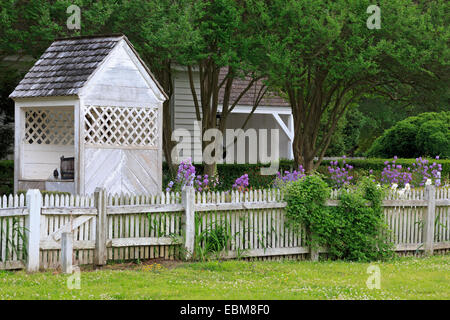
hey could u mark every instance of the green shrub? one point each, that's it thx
(434, 138)
(427, 134)
(306, 207)
(354, 230)
(358, 231)
(6, 176)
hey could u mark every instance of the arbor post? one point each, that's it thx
(33, 228)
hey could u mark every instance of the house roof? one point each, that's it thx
(67, 64)
(248, 99)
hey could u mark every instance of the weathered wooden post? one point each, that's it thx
(101, 227)
(33, 228)
(188, 200)
(66, 252)
(428, 227)
(313, 249)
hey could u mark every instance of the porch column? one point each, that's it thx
(291, 137)
(288, 130)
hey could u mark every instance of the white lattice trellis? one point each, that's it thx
(121, 126)
(49, 126)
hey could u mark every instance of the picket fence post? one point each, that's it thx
(33, 228)
(313, 249)
(66, 252)
(428, 228)
(188, 223)
(101, 230)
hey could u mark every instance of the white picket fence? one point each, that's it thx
(120, 228)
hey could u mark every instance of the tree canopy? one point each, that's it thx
(318, 54)
(323, 58)
(427, 134)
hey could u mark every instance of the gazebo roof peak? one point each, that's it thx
(66, 66)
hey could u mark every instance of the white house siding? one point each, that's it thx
(260, 121)
(184, 117)
(184, 113)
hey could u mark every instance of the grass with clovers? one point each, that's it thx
(401, 278)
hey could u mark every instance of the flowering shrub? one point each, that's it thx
(186, 176)
(392, 174)
(417, 175)
(241, 183)
(204, 183)
(289, 176)
(340, 175)
(423, 171)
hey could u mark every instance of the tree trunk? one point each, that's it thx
(164, 77)
(210, 169)
(168, 144)
(303, 155)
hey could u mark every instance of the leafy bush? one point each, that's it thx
(427, 134)
(434, 137)
(6, 176)
(354, 230)
(357, 230)
(306, 206)
(6, 134)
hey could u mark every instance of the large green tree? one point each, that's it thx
(324, 58)
(224, 40)
(156, 28)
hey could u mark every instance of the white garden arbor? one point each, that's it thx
(93, 99)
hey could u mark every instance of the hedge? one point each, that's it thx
(6, 176)
(228, 173)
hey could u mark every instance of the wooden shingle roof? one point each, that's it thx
(65, 66)
(249, 98)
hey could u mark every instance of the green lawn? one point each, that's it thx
(402, 278)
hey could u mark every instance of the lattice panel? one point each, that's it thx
(49, 126)
(121, 126)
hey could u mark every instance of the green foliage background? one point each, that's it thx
(354, 230)
(427, 134)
